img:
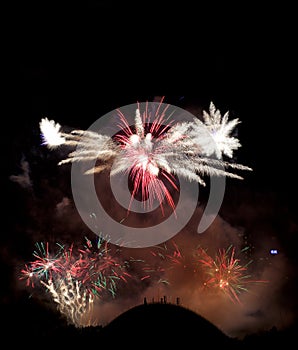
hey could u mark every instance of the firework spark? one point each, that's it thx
(154, 151)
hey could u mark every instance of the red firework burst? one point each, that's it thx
(225, 273)
(142, 145)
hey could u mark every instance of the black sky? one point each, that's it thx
(88, 58)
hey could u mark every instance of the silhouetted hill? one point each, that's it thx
(163, 324)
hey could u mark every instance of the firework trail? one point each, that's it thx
(224, 273)
(154, 270)
(169, 263)
(154, 150)
(180, 264)
(74, 302)
(75, 279)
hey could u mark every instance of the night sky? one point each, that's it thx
(78, 62)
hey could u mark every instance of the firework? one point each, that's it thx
(98, 269)
(224, 273)
(45, 264)
(28, 275)
(73, 301)
(76, 278)
(169, 263)
(154, 268)
(154, 151)
(176, 257)
(181, 267)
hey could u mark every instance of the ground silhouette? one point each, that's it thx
(163, 324)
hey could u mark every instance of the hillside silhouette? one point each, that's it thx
(163, 324)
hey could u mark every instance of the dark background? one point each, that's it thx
(76, 61)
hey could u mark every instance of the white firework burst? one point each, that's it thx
(153, 150)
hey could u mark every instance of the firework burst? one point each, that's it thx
(154, 151)
(76, 278)
(44, 266)
(224, 273)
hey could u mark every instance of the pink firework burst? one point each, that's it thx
(45, 264)
(28, 275)
(142, 146)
